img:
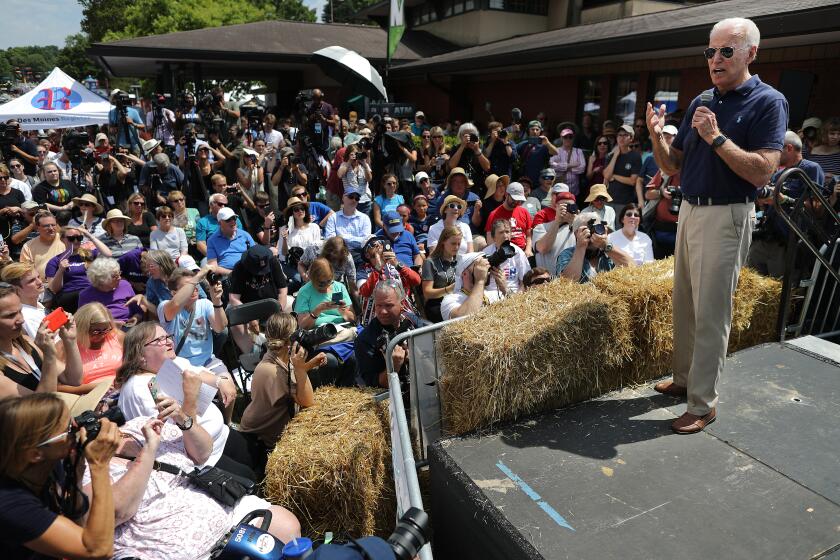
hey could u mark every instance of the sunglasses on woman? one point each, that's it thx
(454, 206)
(139, 203)
(603, 143)
(632, 215)
(73, 238)
(100, 332)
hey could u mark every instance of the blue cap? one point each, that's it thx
(351, 190)
(393, 222)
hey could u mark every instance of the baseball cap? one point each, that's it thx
(811, 122)
(101, 137)
(256, 259)
(350, 190)
(420, 114)
(30, 205)
(420, 175)
(225, 214)
(549, 172)
(464, 262)
(187, 262)
(670, 129)
(516, 191)
(534, 123)
(567, 131)
(628, 129)
(393, 222)
(564, 191)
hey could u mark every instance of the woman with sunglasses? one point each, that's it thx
(183, 217)
(27, 365)
(100, 345)
(88, 210)
(387, 201)
(452, 209)
(434, 157)
(142, 222)
(146, 347)
(39, 435)
(355, 174)
(18, 173)
(629, 239)
(168, 237)
(301, 235)
(66, 273)
(596, 164)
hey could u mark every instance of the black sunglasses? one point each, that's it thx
(725, 52)
(353, 196)
(603, 143)
(538, 281)
(454, 206)
(73, 238)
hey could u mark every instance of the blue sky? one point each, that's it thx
(55, 20)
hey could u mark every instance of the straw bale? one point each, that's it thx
(755, 310)
(332, 466)
(553, 345)
(647, 291)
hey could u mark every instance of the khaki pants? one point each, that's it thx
(712, 245)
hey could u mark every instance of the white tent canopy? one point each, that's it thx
(57, 102)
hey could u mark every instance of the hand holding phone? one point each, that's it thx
(337, 298)
(56, 319)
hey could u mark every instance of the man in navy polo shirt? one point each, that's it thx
(225, 247)
(728, 145)
(402, 242)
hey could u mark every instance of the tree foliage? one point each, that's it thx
(344, 11)
(101, 16)
(73, 60)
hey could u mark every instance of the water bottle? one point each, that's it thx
(298, 549)
(322, 194)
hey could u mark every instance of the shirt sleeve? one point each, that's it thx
(52, 267)
(768, 129)
(211, 250)
(23, 517)
(563, 260)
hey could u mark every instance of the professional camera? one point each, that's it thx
(597, 229)
(310, 339)
(8, 134)
(676, 200)
(503, 253)
(502, 134)
(247, 541)
(121, 99)
(473, 137)
(365, 144)
(295, 253)
(92, 421)
(75, 144)
(361, 155)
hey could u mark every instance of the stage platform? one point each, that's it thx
(609, 479)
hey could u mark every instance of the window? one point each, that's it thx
(537, 7)
(590, 97)
(664, 89)
(624, 99)
(422, 14)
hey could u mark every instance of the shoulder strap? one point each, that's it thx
(158, 466)
(186, 331)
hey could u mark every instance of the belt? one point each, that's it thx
(717, 201)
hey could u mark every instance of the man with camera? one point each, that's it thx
(158, 177)
(663, 188)
(22, 147)
(390, 319)
(553, 231)
(592, 253)
(728, 145)
(508, 263)
(161, 120)
(769, 240)
(516, 215)
(125, 129)
(113, 179)
(470, 292)
(321, 120)
(534, 151)
(499, 150)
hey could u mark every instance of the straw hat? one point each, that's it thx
(91, 199)
(452, 198)
(292, 202)
(490, 183)
(114, 214)
(458, 171)
(598, 190)
(150, 145)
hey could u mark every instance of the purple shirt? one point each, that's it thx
(75, 277)
(114, 301)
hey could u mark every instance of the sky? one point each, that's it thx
(56, 19)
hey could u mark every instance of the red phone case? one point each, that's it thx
(56, 319)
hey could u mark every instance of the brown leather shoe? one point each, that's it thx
(670, 388)
(691, 423)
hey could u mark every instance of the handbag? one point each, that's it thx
(223, 486)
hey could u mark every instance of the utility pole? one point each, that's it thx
(332, 19)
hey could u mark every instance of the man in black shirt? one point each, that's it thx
(24, 149)
(321, 121)
(622, 171)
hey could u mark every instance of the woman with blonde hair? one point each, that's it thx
(279, 385)
(142, 222)
(100, 345)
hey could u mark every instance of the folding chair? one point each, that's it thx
(242, 315)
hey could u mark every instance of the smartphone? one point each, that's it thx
(56, 319)
(153, 388)
(337, 298)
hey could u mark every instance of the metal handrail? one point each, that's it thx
(815, 191)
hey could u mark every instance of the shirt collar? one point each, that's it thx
(745, 88)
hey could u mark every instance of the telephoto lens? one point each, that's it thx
(312, 338)
(503, 253)
(410, 534)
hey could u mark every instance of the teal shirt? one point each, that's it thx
(308, 298)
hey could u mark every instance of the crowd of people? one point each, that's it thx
(143, 233)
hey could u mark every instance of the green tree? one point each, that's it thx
(344, 11)
(73, 60)
(101, 16)
(292, 10)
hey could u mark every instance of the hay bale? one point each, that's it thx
(755, 310)
(553, 345)
(332, 467)
(647, 291)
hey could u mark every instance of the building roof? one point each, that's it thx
(269, 44)
(649, 33)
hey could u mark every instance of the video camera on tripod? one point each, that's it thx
(254, 112)
(8, 135)
(75, 144)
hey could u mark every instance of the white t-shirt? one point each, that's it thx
(301, 237)
(452, 302)
(22, 186)
(564, 239)
(136, 400)
(437, 229)
(640, 247)
(514, 269)
(32, 317)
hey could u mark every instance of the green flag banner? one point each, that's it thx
(396, 26)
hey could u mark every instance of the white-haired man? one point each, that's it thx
(729, 144)
(470, 293)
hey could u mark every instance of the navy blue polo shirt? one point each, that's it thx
(405, 246)
(754, 116)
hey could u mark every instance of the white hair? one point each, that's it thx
(102, 270)
(794, 140)
(583, 218)
(465, 128)
(745, 28)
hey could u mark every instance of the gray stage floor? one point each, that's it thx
(609, 479)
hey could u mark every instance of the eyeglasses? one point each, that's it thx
(323, 284)
(601, 198)
(725, 52)
(353, 197)
(161, 340)
(59, 437)
(603, 143)
(542, 280)
(454, 206)
(298, 209)
(73, 238)
(547, 177)
(85, 204)
(100, 332)
(165, 217)
(139, 203)
(222, 204)
(177, 200)
(632, 215)
(635, 145)
(263, 206)
(48, 226)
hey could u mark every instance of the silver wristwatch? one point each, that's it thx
(188, 423)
